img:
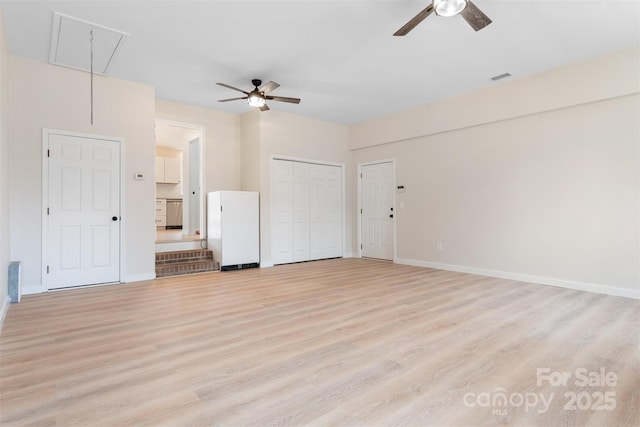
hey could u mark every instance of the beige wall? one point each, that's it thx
(289, 135)
(221, 141)
(250, 125)
(535, 178)
(47, 96)
(604, 77)
(4, 169)
(516, 186)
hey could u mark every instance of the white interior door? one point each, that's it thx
(83, 222)
(376, 188)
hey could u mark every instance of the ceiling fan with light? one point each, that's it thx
(468, 10)
(258, 97)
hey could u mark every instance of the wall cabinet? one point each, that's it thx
(307, 211)
(167, 170)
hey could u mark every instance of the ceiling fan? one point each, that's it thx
(468, 10)
(258, 97)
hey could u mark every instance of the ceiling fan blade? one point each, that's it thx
(232, 99)
(265, 107)
(415, 21)
(234, 88)
(475, 17)
(269, 87)
(284, 99)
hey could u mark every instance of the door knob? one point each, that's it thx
(114, 218)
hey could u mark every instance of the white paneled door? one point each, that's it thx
(325, 212)
(82, 224)
(282, 212)
(376, 188)
(307, 211)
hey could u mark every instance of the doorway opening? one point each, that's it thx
(180, 219)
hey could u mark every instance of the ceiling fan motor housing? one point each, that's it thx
(449, 7)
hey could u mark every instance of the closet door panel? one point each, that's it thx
(333, 212)
(300, 202)
(318, 236)
(282, 234)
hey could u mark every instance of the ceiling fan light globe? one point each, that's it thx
(256, 100)
(449, 7)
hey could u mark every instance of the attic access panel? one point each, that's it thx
(71, 44)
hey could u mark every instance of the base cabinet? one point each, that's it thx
(161, 213)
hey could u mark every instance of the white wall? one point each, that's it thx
(283, 134)
(537, 179)
(47, 96)
(4, 170)
(221, 141)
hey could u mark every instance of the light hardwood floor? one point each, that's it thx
(336, 342)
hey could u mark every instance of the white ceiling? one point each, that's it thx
(338, 56)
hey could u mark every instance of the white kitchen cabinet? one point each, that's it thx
(161, 213)
(167, 170)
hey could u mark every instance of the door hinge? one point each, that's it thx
(47, 211)
(48, 153)
(220, 208)
(360, 246)
(360, 211)
(47, 269)
(360, 175)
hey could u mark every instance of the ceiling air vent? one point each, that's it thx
(500, 77)
(71, 44)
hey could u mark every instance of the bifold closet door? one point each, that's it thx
(282, 211)
(307, 209)
(301, 212)
(326, 212)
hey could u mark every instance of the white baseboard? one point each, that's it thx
(31, 290)
(561, 283)
(3, 311)
(139, 277)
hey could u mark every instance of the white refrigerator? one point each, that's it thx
(233, 228)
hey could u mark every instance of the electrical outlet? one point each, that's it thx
(439, 246)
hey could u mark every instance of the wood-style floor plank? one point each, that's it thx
(348, 342)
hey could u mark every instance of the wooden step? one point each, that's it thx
(177, 269)
(185, 262)
(183, 256)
